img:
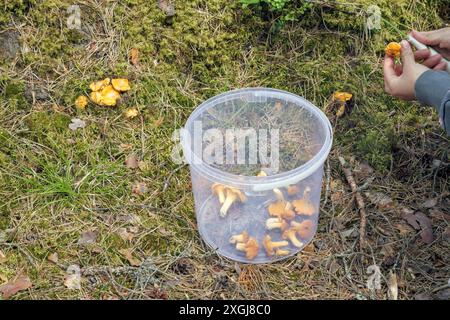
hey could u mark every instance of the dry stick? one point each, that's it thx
(359, 201)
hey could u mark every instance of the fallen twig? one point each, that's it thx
(359, 201)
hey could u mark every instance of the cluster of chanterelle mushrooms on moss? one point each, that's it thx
(281, 219)
(107, 92)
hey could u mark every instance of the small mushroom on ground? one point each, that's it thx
(276, 223)
(281, 209)
(219, 190)
(106, 97)
(290, 234)
(250, 247)
(99, 85)
(270, 245)
(96, 97)
(130, 113)
(240, 238)
(109, 96)
(232, 194)
(121, 84)
(81, 102)
(304, 206)
(304, 229)
(342, 97)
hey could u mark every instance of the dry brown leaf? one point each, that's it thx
(438, 214)
(139, 188)
(88, 237)
(134, 56)
(363, 170)
(420, 221)
(165, 232)
(10, 288)
(124, 234)
(403, 229)
(125, 146)
(381, 200)
(132, 162)
(408, 215)
(310, 248)
(53, 257)
(133, 230)
(392, 286)
(430, 203)
(72, 279)
(158, 122)
(2, 257)
(130, 218)
(128, 254)
(427, 230)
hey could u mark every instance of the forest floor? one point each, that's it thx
(66, 199)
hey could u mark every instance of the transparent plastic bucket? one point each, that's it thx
(256, 158)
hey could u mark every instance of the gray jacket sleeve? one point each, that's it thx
(433, 88)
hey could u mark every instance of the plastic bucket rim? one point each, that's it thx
(260, 183)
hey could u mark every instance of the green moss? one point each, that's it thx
(376, 147)
(45, 122)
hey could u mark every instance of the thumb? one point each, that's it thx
(407, 54)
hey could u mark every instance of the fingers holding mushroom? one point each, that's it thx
(250, 248)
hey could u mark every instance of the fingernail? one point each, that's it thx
(405, 44)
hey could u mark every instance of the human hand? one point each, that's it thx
(400, 79)
(440, 39)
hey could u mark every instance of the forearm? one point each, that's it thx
(433, 88)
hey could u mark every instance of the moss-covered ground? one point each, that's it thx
(56, 184)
